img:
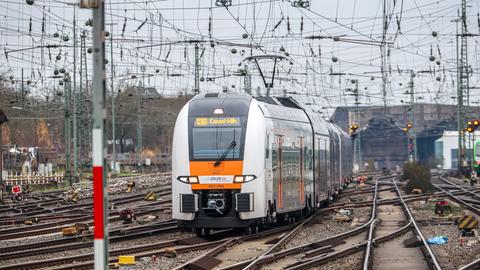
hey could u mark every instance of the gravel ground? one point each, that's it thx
(146, 263)
(49, 237)
(352, 262)
(450, 255)
(113, 246)
(323, 226)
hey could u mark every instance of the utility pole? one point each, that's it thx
(247, 81)
(3, 120)
(383, 54)
(196, 89)
(114, 140)
(356, 141)
(75, 146)
(98, 135)
(82, 121)
(139, 118)
(67, 128)
(412, 136)
(463, 91)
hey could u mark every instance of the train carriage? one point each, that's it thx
(246, 162)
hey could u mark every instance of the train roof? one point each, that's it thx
(285, 108)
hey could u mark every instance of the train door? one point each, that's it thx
(301, 172)
(328, 168)
(321, 171)
(277, 168)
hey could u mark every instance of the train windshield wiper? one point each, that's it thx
(225, 153)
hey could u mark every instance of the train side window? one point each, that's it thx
(267, 147)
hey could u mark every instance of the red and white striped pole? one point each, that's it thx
(98, 135)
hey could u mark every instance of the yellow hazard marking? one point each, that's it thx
(126, 260)
(467, 222)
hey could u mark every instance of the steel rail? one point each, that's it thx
(372, 227)
(430, 252)
(471, 266)
(253, 263)
(322, 258)
(280, 243)
(442, 177)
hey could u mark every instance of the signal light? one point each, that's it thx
(472, 125)
(407, 127)
(353, 128)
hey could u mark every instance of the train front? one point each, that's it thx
(216, 180)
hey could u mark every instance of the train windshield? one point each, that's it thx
(216, 137)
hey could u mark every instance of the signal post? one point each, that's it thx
(98, 135)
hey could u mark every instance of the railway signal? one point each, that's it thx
(472, 125)
(353, 129)
(407, 127)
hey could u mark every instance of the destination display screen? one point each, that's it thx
(216, 121)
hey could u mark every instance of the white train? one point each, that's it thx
(246, 162)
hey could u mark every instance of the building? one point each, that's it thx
(431, 120)
(446, 149)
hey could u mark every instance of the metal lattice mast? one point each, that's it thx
(140, 120)
(356, 142)
(68, 127)
(412, 136)
(114, 140)
(75, 94)
(196, 89)
(383, 54)
(247, 80)
(462, 86)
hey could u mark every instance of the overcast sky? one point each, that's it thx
(250, 27)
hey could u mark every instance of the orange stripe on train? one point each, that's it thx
(206, 168)
(215, 186)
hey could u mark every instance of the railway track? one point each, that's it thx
(86, 216)
(278, 250)
(85, 261)
(85, 241)
(56, 227)
(87, 205)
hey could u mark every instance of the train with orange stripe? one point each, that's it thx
(245, 162)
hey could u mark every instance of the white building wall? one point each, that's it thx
(450, 142)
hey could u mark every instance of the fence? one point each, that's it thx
(34, 178)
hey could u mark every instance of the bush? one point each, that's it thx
(417, 177)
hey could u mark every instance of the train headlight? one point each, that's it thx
(188, 179)
(244, 178)
(193, 180)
